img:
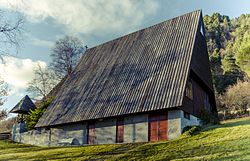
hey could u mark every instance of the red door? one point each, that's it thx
(153, 128)
(157, 127)
(119, 130)
(162, 127)
(91, 133)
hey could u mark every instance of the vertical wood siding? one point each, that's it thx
(158, 127)
(91, 133)
(120, 130)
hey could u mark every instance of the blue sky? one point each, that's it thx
(93, 22)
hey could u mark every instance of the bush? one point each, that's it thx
(208, 117)
(236, 100)
(191, 130)
(34, 115)
(6, 125)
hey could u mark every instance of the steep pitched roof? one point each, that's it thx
(142, 71)
(24, 105)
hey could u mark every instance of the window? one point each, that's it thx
(186, 115)
(189, 90)
(207, 105)
(201, 30)
(119, 130)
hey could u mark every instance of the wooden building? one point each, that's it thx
(22, 108)
(144, 86)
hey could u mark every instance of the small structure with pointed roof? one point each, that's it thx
(23, 106)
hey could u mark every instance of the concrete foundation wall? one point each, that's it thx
(105, 131)
(189, 122)
(136, 129)
(174, 124)
(17, 129)
(35, 137)
(75, 134)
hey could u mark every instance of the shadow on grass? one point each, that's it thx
(246, 121)
(123, 148)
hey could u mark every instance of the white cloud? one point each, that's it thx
(87, 16)
(40, 42)
(18, 72)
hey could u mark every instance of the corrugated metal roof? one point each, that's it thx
(23, 106)
(142, 71)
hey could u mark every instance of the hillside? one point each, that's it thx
(230, 140)
(228, 47)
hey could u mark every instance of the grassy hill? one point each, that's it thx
(228, 141)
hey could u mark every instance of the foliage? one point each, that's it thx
(208, 117)
(34, 115)
(228, 141)
(3, 114)
(191, 130)
(65, 55)
(228, 47)
(3, 94)
(229, 65)
(243, 54)
(3, 91)
(6, 125)
(11, 30)
(236, 98)
(44, 81)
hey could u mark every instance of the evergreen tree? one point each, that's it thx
(243, 54)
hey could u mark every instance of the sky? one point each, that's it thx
(93, 22)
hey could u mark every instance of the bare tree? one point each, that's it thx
(11, 30)
(65, 55)
(6, 125)
(44, 81)
(3, 94)
(235, 99)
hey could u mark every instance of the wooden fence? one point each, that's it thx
(5, 135)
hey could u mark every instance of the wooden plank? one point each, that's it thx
(120, 130)
(91, 133)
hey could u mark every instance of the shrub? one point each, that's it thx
(209, 117)
(236, 100)
(191, 130)
(34, 115)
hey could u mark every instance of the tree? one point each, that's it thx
(6, 125)
(44, 81)
(236, 98)
(243, 54)
(3, 94)
(10, 32)
(65, 55)
(34, 115)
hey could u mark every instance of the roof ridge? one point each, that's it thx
(133, 32)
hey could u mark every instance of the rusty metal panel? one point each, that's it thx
(139, 72)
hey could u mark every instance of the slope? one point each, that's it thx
(230, 140)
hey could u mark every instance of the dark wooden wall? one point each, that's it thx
(201, 77)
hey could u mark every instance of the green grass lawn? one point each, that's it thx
(228, 141)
